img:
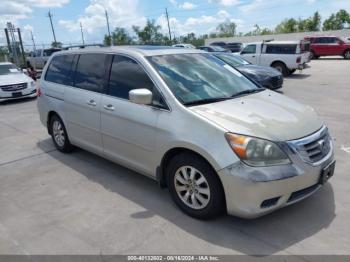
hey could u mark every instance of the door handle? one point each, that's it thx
(91, 102)
(253, 56)
(109, 107)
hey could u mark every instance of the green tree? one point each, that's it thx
(226, 29)
(56, 44)
(150, 34)
(120, 36)
(337, 21)
(287, 26)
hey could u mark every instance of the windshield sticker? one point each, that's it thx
(233, 70)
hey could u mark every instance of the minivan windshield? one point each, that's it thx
(201, 78)
(8, 69)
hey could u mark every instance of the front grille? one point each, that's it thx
(277, 81)
(315, 147)
(14, 87)
(301, 193)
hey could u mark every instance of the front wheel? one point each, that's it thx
(195, 187)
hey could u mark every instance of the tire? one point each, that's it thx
(205, 187)
(347, 54)
(292, 71)
(313, 55)
(59, 135)
(281, 67)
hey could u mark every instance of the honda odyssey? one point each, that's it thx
(190, 121)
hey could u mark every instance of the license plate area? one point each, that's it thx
(16, 94)
(327, 173)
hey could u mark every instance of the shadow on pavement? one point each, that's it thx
(17, 101)
(298, 76)
(263, 236)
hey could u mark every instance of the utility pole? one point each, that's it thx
(53, 31)
(82, 33)
(167, 17)
(109, 31)
(31, 33)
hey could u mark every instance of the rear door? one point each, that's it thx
(129, 130)
(320, 46)
(83, 101)
(249, 53)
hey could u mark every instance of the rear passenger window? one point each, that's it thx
(59, 70)
(90, 72)
(281, 49)
(126, 75)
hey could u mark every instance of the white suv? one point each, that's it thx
(189, 121)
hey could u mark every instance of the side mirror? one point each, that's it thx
(141, 96)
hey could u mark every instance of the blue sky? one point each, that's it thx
(185, 15)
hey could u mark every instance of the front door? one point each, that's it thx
(129, 130)
(249, 54)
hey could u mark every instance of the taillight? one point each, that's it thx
(38, 91)
(298, 59)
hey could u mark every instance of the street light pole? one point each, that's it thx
(82, 33)
(53, 31)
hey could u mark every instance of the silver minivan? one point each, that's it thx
(190, 121)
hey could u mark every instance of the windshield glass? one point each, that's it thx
(232, 60)
(196, 77)
(8, 69)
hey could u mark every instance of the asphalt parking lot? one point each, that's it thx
(52, 203)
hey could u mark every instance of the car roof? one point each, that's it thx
(274, 42)
(143, 50)
(6, 63)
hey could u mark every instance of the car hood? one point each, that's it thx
(267, 115)
(259, 71)
(14, 79)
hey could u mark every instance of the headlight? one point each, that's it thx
(257, 152)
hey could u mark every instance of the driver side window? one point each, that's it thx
(126, 75)
(249, 49)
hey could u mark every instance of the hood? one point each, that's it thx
(259, 71)
(267, 115)
(14, 79)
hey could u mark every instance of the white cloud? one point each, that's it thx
(226, 2)
(121, 14)
(188, 6)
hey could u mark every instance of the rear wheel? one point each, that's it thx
(281, 67)
(195, 187)
(59, 135)
(347, 54)
(313, 55)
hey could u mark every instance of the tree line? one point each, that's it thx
(152, 34)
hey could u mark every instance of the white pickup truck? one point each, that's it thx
(39, 57)
(285, 56)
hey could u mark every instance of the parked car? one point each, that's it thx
(14, 83)
(184, 46)
(328, 46)
(221, 44)
(213, 49)
(285, 56)
(264, 75)
(38, 58)
(190, 121)
(235, 47)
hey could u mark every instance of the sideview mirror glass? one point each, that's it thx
(141, 96)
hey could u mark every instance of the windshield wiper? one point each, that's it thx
(248, 91)
(205, 101)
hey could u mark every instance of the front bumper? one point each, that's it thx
(30, 93)
(255, 191)
(273, 82)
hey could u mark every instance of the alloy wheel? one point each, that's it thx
(192, 187)
(58, 133)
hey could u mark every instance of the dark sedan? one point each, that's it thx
(265, 76)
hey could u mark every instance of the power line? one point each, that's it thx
(82, 33)
(167, 17)
(53, 31)
(109, 31)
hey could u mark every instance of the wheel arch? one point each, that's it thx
(278, 61)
